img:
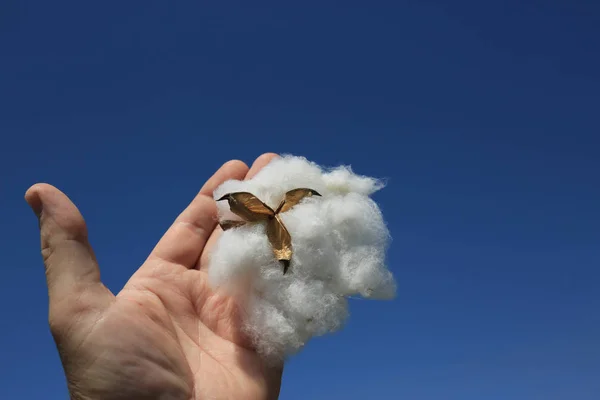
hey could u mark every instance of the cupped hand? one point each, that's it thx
(166, 335)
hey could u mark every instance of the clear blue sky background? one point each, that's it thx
(484, 117)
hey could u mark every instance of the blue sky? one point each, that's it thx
(483, 116)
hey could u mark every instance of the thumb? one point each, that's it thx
(72, 272)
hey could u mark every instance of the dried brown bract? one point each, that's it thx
(251, 209)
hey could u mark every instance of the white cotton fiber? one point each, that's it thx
(339, 241)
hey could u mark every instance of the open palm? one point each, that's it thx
(167, 334)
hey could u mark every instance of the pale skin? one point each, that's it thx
(167, 334)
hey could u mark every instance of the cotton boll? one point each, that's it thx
(239, 254)
(357, 221)
(364, 273)
(315, 307)
(338, 241)
(314, 252)
(283, 320)
(270, 330)
(311, 304)
(287, 173)
(275, 179)
(342, 180)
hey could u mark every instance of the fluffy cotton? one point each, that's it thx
(339, 242)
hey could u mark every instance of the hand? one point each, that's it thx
(167, 334)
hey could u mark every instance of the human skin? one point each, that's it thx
(167, 334)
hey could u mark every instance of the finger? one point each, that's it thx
(258, 164)
(183, 242)
(71, 267)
